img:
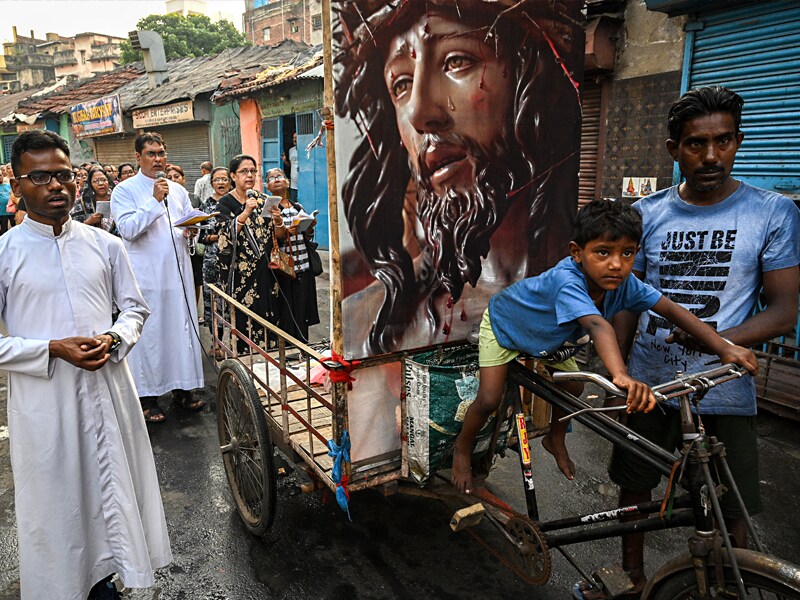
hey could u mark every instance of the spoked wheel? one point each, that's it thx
(246, 446)
(532, 555)
(765, 578)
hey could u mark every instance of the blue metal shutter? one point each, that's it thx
(755, 51)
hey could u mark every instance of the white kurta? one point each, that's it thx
(168, 355)
(87, 497)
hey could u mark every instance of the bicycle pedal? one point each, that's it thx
(469, 516)
(614, 579)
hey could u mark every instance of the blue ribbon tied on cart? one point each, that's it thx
(341, 454)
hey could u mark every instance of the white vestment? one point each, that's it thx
(168, 356)
(87, 497)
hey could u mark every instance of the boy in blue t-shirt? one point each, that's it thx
(543, 315)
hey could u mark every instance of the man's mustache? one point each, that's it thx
(710, 170)
(439, 140)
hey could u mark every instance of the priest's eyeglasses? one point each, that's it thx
(45, 177)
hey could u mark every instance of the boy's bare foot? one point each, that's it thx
(560, 453)
(462, 470)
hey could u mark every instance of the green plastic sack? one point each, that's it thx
(439, 387)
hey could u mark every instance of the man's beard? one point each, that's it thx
(459, 224)
(697, 185)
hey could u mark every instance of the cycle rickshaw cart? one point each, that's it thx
(347, 442)
(265, 401)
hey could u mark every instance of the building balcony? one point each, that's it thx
(104, 51)
(30, 61)
(61, 59)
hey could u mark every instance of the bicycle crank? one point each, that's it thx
(530, 550)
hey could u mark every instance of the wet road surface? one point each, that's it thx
(395, 547)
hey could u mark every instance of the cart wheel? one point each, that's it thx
(531, 552)
(246, 446)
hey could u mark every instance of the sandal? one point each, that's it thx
(151, 410)
(186, 401)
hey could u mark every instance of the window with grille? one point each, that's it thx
(316, 22)
(269, 128)
(305, 124)
(266, 33)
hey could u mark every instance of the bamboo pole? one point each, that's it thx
(340, 420)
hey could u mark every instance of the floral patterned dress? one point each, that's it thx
(244, 271)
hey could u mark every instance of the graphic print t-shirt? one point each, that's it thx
(709, 259)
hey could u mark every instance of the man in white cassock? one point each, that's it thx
(86, 493)
(168, 356)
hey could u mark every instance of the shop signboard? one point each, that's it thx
(166, 114)
(102, 116)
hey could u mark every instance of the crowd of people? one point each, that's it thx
(94, 183)
(289, 302)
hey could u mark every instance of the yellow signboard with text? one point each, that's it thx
(166, 114)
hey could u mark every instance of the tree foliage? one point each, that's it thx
(190, 36)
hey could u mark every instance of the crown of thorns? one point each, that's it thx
(365, 23)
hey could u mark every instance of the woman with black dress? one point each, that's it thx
(247, 236)
(221, 184)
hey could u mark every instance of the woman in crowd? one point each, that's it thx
(7, 206)
(81, 177)
(221, 183)
(297, 306)
(175, 173)
(112, 174)
(124, 171)
(97, 190)
(244, 270)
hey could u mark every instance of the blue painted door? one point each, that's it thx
(312, 184)
(271, 135)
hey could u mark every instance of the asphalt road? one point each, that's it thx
(395, 547)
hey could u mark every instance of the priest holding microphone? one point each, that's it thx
(168, 355)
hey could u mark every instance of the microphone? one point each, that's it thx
(162, 175)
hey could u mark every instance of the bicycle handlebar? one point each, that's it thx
(682, 385)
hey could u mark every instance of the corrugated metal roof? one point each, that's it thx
(234, 87)
(9, 102)
(317, 72)
(60, 100)
(190, 77)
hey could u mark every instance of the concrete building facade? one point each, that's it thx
(31, 62)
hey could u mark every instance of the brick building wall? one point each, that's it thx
(298, 20)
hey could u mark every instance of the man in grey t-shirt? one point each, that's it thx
(709, 244)
(202, 187)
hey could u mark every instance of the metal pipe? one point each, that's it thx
(601, 424)
(735, 490)
(682, 501)
(723, 529)
(679, 518)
